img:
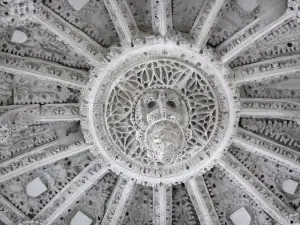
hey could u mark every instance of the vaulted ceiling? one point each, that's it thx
(152, 112)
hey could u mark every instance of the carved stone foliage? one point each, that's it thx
(40, 43)
(18, 139)
(92, 18)
(16, 12)
(283, 132)
(228, 198)
(28, 90)
(54, 177)
(272, 175)
(184, 14)
(280, 42)
(93, 204)
(140, 209)
(226, 27)
(6, 84)
(278, 88)
(183, 211)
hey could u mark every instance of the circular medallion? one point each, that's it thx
(160, 113)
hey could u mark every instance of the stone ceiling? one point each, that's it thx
(153, 112)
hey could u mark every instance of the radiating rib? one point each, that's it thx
(71, 192)
(270, 108)
(38, 157)
(78, 41)
(42, 113)
(118, 202)
(267, 69)
(205, 20)
(202, 202)
(43, 69)
(162, 22)
(263, 196)
(267, 148)
(9, 214)
(241, 40)
(123, 19)
(162, 205)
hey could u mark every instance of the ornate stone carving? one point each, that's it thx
(55, 177)
(229, 197)
(17, 12)
(183, 211)
(258, 191)
(94, 203)
(159, 90)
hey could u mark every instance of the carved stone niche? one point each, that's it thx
(169, 112)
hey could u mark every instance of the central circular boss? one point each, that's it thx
(158, 119)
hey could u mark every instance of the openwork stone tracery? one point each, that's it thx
(103, 122)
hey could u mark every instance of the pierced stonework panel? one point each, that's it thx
(159, 113)
(93, 204)
(54, 177)
(228, 198)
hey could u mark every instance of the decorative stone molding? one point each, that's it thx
(208, 15)
(268, 69)
(282, 180)
(202, 202)
(162, 22)
(10, 214)
(43, 69)
(266, 199)
(98, 98)
(270, 108)
(162, 205)
(262, 146)
(123, 20)
(39, 157)
(78, 41)
(247, 36)
(71, 192)
(17, 12)
(118, 202)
